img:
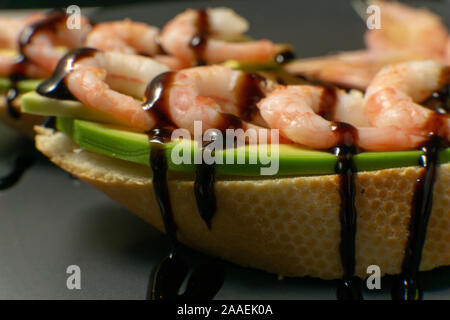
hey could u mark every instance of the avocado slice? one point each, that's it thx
(34, 103)
(119, 143)
(25, 85)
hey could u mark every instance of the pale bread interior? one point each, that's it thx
(289, 226)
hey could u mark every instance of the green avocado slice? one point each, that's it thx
(26, 85)
(34, 103)
(135, 147)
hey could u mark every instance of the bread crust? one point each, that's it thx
(288, 226)
(24, 124)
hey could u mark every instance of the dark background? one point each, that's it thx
(49, 221)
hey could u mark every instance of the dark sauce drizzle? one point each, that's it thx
(200, 39)
(21, 164)
(54, 87)
(165, 282)
(349, 287)
(25, 37)
(12, 94)
(406, 286)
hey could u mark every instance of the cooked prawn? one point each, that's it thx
(131, 37)
(406, 34)
(296, 112)
(211, 94)
(207, 93)
(393, 97)
(223, 25)
(10, 29)
(407, 28)
(353, 69)
(103, 82)
(124, 36)
(42, 51)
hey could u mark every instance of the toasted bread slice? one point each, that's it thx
(285, 225)
(24, 124)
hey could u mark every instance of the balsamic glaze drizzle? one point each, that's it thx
(406, 286)
(204, 189)
(54, 87)
(200, 39)
(165, 282)
(21, 164)
(12, 94)
(25, 38)
(349, 288)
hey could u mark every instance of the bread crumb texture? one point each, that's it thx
(289, 226)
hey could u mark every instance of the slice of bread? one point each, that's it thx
(285, 225)
(24, 124)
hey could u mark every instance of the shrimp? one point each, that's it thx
(8, 66)
(41, 40)
(10, 29)
(206, 36)
(131, 37)
(102, 81)
(393, 97)
(408, 28)
(124, 36)
(353, 69)
(213, 95)
(298, 112)
(208, 93)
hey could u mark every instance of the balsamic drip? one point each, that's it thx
(349, 288)
(200, 39)
(248, 93)
(206, 280)
(327, 104)
(284, 57)
(406, 286)
(439, 100)
(21, 164)
(157, 97)
(49, 122)
(204, 189)
(12, 94)
(49, 23)
(54, 87)
(20, 64)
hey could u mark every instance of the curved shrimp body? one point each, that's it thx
(302, 113)
(208, 93)
(393, 97)
(10, 29)
(124, 36)
(40, 39)
(102, 82)
(408, 28)
(217, 96)
(353, 69)
(205, 35)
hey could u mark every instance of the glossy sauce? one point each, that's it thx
(200, 39)
(12, 94)
(55, 87)
(165, 282)
(21, 164)
(349, 287)
(406, 286)
(25, 38)
(284, 57)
